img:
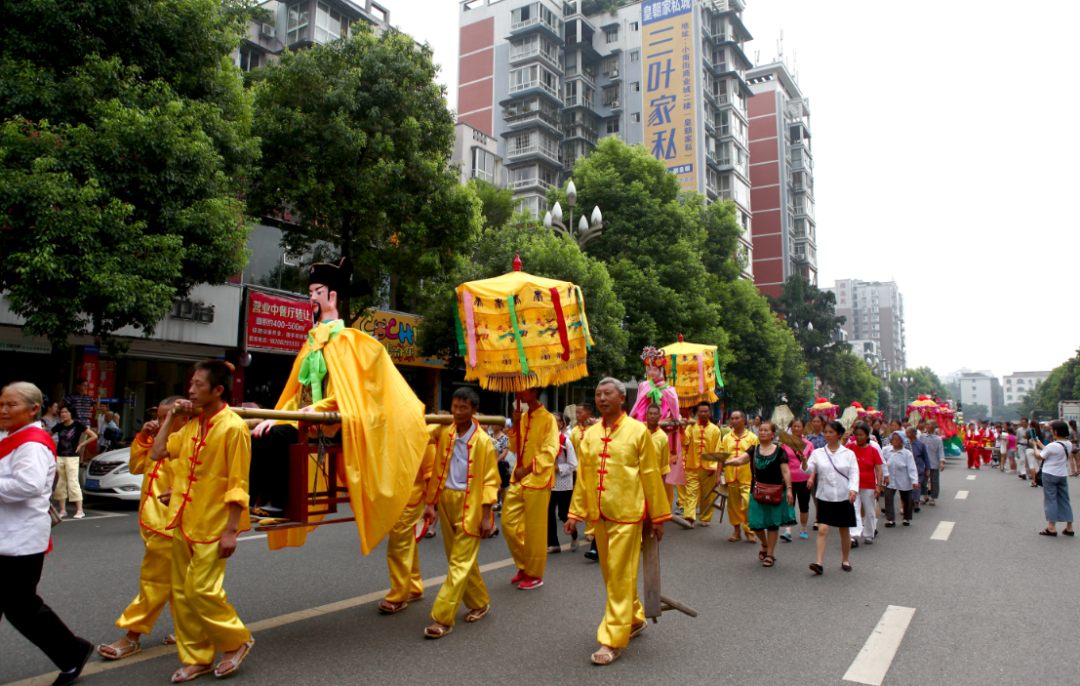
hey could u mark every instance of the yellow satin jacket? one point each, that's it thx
(482, 485)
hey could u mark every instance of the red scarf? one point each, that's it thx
(22, 437)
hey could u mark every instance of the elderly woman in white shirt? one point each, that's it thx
(27, 470)
(835, 471)
(901, 476)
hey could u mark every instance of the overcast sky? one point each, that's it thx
(943, 160)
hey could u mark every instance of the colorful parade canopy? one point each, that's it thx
(859, 409)
(695, 372)
(925, 406)
(519, 331)
(871, 413)
(822, 406)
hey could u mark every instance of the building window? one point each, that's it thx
(635, 118)
(633, 26)
(329, 24)
(298, 23)
(612, 34)
(612, 126)
(611, 63)
(611, 95)
(635, 86)
(483, 165)
(635, 56)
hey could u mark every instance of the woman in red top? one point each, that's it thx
(869, 459)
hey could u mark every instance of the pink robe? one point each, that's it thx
(669, 409)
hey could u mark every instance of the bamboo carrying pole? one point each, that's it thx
(330, 417)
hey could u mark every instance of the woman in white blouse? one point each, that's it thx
(835, 471)
(563, 488)
(27, 470)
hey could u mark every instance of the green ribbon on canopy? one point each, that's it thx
(313, 368)
(716, 366)
(517, 335)
(462, 348)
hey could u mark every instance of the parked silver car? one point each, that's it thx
(107, 475)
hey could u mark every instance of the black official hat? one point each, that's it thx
(334, 275)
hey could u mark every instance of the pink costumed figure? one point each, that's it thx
(655, 389)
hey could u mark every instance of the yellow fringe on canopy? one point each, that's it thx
(515, 382)
(692, 400)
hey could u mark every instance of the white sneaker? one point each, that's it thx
(80, 515)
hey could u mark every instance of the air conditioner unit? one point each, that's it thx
(615, 105)
(269, 31)
(614, 73)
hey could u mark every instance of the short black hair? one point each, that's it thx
(80, 381)
(836, 426)
(861, 426)
(656, 407)
(466, 393)
(698, 406)
(218, 373)
(587, 406)
(734, 412)
(171, 400)
(1060, 428)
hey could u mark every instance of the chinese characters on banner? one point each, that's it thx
(277, 324)
(668, 48)
(841, 288)
(397, 332)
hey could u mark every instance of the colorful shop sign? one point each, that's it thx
(669, 86)
(398, 333)
(277, 324)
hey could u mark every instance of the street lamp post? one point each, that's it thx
(906, 382)
(587, 231)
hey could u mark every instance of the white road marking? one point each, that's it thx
(971, 477)
(941, 533)
(97, 514)
(252, 537)
(876, 656)
(961, 495)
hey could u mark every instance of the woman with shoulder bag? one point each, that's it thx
(834, 471)
(1055, 482)
(772, 502)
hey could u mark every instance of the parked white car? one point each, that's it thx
(107, 475)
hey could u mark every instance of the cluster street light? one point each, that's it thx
(906, 381)
(586, 232)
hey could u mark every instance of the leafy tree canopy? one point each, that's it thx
(124, 145)
(811, 314)
(924, 382)
(853, 381)
(356, 142)
(1063, 383)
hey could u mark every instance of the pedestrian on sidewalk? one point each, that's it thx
(902, 475)
(834, 471)
(502, 450)
(563, 490)
(72, 437)
(769, 466)
(935, 453)
(1010, 448)
(1054, 458)
(922, 467)
(27, 468)
(1074, 458)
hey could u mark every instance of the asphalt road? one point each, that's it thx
(992, 605)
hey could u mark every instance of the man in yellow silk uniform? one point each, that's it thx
(619, 489)
(155, 574)
(737, 442)
(525, 507)
(464, 486)
(208, 507)
(584, 417)
(402, 556)
(703, 437)
(383, 433)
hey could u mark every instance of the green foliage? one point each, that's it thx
(973, 411)
(125, 146)
(356, 142)
(1063, 383)
(925, 382)
(811, 314)
(853, 381)
(497, 206)
(543, 254)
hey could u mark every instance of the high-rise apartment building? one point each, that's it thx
(874, 311)
(548, 79)
(782, 179)
(1018, 384)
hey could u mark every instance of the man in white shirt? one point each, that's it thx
(27, 469)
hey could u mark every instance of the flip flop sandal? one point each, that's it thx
(762, 554)
(235, 662)
(735, 538)
(437, 633)
(390, 608)
(1069, 533)
(1047, 532)
(478, 614)
(816, 568)
(638, 629)
(110, 653)
(769, 561)
(179, 677)
(170, 640)
(606, 659)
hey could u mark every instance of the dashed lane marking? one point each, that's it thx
(941, 533)
(251, 537)
(971, 477)
(876, 656)
(961, 495)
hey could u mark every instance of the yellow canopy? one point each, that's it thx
(695, 372)
(519, 331)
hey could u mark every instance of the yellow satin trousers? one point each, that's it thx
(524, 525)
(401, 554)
(155, 584)
(699, 482)
(619, 546)
(738, 504)
(463, 579)
(205, 622)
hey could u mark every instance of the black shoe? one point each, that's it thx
(593, 554)
(889, 525)
(854, 543)
(66, 678)
(430, 534)
(494, 533)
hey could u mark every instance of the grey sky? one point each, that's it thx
(943, 159)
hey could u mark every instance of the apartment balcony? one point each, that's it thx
(524, 184)
(581, 131)
(805, 212)
(537, 87)
(537, 24)
(518, 58)
(579, 74)
(614, 75)
(516, 120)
(726, 6)
(533, 152)
(711, 191)
(572, 101)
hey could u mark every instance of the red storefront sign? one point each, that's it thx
(277, 324)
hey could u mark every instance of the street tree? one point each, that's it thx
(852, 380)
(125, 142)
(1063, 383)
(811, 314)
(924, 382)
(356, 143)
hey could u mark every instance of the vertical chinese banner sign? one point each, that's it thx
(668, 48)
